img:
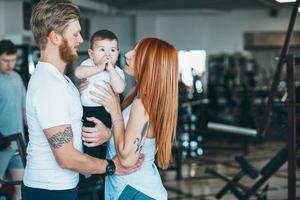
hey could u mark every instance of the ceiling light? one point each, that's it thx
(285, 1)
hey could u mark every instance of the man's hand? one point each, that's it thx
(95, 136)
(120, 170)
(83, 85)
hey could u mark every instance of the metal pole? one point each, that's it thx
(284, 51)
(291, 128)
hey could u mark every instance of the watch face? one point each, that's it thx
(110, 169)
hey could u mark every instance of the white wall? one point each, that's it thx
(11, 22)
(2, 21)
(145, 26)
(122, 26)
(13, 17)
(214, 33)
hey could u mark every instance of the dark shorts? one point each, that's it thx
(29, 193)
(130, 193)
(99, 112)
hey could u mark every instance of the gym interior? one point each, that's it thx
(239, 90)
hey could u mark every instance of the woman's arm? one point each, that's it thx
(128, 142)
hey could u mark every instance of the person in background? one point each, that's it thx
(12, 107)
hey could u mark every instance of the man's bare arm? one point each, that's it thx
(60, 139)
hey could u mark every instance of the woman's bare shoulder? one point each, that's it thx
(138, 108)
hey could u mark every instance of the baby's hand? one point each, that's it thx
(109, 66)
(104, 63)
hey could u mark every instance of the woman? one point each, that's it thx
(147, 124)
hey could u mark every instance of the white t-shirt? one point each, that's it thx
(52, 100)
(99, 79)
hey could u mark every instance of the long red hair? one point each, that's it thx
(156, 74)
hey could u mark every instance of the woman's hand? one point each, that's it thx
(83, 85)
(108, 99)
(120, 170)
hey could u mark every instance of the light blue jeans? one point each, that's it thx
(130, 193)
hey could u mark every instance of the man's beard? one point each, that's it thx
(65, 52)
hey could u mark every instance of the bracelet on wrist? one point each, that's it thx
(115, 121)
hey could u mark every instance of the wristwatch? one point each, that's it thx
(110, 168)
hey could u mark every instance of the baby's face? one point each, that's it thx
(103, 50)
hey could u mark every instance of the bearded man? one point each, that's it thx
(54, 111)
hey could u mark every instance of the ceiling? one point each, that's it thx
(128, 5)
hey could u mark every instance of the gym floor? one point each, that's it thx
(196, 184)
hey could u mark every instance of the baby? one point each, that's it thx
(100, 68)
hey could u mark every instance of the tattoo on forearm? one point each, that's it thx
(139, 145)
(61, 138)
(139, 141)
